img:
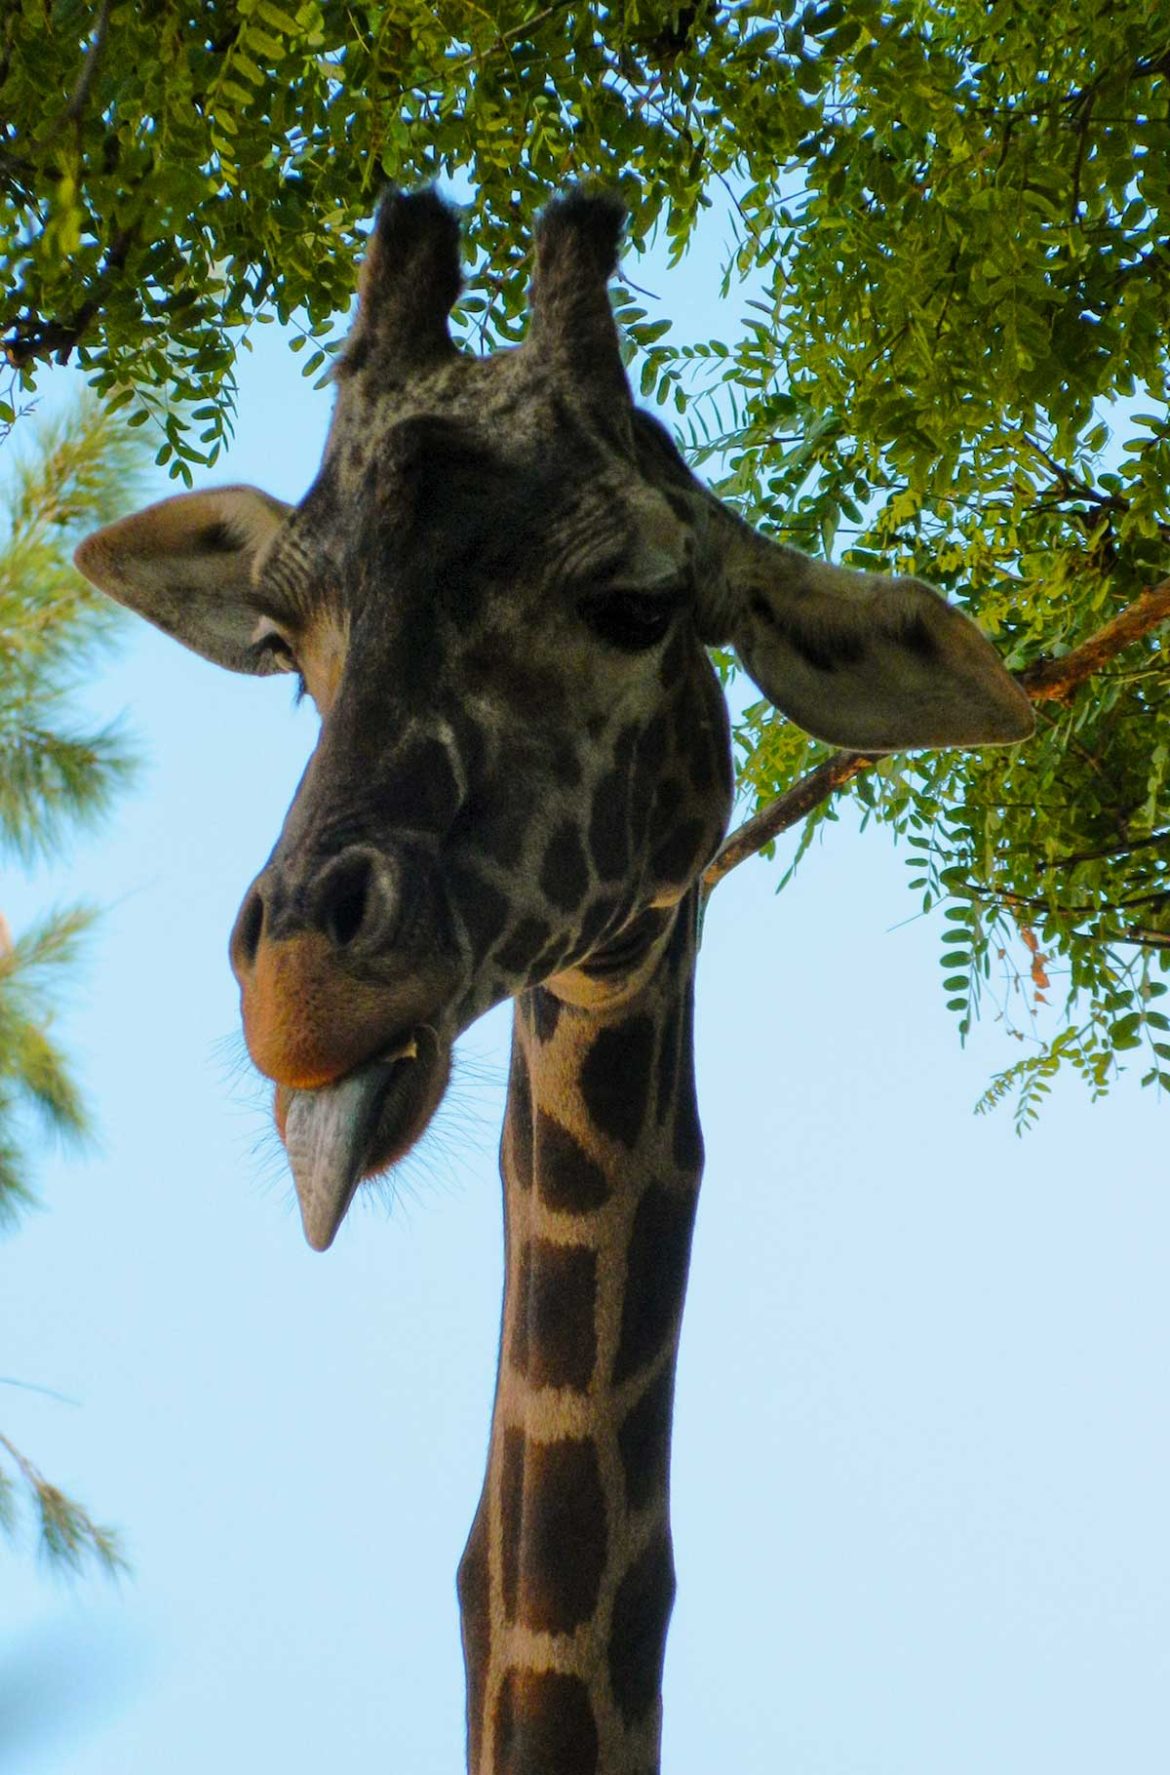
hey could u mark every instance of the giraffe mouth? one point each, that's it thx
(340, 1134)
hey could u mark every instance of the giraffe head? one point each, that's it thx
(499, 592)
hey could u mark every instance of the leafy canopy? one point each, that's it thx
(944, 348)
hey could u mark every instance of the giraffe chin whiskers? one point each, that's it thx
(340, 1134)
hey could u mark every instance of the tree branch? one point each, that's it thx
(794, 805)
(1046, 680)
(1054, 680)
(60, 337)
(1144, 939)
(1111, 850)
(75, 109)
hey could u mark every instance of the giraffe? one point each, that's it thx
(500, 592)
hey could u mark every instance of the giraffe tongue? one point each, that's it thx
(327, 1135)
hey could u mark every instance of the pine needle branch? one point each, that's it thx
(54, 773)
(68, 1534)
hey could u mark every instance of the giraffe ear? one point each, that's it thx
(188, 565)
(864, 661)
(858, 659)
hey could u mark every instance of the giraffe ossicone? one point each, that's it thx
(500, 591)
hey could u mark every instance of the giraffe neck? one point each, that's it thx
(567, 1581)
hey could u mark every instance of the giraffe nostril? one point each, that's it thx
(355, 898)
(346, 912)
(249, 930)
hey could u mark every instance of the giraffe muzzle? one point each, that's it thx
(336, 962)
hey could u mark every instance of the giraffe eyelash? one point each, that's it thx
(272, 646)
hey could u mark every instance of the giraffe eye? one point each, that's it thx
(631, 620)
(273, 653)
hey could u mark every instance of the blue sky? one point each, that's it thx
(922, 1458)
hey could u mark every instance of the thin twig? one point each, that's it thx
(787, 809)
(30, 1474)
(530, 24)
(6, 1380)
(75, 109)
(1107, 851)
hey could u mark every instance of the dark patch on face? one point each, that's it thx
(554, 1338)
(629, 946)
(566, 766)
(601, 913)
(656, 1278)
(673, 662)
(493, 822)
(432, 456)
(491, 666)
(669, 798)
(473, 1584)
(520, 952)
(608, 840)
(545, 1725)
(688, 1133)
(702, 765)
(557, 1509)
(653, 748)
(625, 746)
(682, 853)
(615, 1078)
(422, 792)
(682, 936)
(715, 731)
(445, 511)
(564, 874)
(725, 767)
(546, 1013)
(482, 908)
(567, 1178)
(551, 960)
(707, 753)
(637, 1646)
(517, 1141)
(644, 1443)
(667, 1064)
